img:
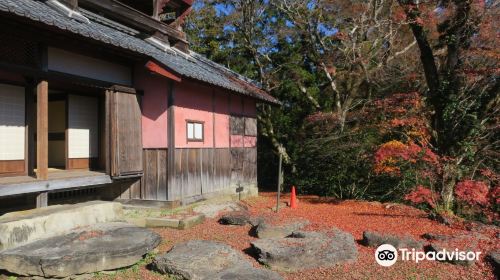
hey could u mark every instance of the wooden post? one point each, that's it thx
(171, 181)
(42, 199)
(280, 179)
(30, 128)
(42, 127)
(106, 147)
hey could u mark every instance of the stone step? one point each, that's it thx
(100, 247)
(19, 228)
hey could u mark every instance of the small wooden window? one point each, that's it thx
(195, 130)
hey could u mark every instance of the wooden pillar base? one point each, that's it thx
(42, 200)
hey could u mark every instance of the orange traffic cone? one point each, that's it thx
(293, 199)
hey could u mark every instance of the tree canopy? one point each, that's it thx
(367, 87)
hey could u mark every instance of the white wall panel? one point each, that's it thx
(12, 122)
(89, 67)
(83, 127)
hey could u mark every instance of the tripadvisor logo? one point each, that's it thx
(387, 255)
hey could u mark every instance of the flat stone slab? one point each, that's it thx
(265, 230)
(162, 222)
(18, 228)
(375, 239)
(201, 259)
(212, 210)
(140, 222)
(303, 250)
(87, 250)
(191, 221)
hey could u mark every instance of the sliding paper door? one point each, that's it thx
(12, 129)
(83, 131)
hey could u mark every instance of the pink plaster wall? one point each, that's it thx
(154, 108)
(236, 104)
(243, 106)
(240, 141)
(193, 102)
(250, 141)
(249, 107)
(237, 141)
(222, 119)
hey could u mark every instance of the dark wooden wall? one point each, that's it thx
(243, 166)
(197, 171)
(154, 181)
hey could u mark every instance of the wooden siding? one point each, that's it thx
(243, 166)
(82, 163)
(198, 171)
(11, 167)
(237, 125)
(154, 181)
(250, 126)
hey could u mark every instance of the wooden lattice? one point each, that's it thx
(18, 51)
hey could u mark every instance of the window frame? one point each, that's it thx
(194, 122)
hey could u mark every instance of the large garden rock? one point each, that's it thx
(374, 239)
(240, 218)
(246, 273)
(265, 230)
(306, 250)
(436, 237)
(87, 250)
(494, 258)
(212, 210)
(200, 259)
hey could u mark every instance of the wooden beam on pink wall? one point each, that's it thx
(155, 68)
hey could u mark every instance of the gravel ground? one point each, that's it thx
(351, 216)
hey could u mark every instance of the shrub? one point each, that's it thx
(494, 196)
(423, 195)
(381, 154)
(472, 192)
(330, 163)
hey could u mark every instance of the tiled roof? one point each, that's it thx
(190, 65)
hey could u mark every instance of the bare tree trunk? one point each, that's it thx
(448, 187)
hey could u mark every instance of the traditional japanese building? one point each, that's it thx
(105, 99)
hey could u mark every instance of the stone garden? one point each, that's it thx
(225, 240)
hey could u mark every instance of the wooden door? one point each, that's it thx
(125, 134)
